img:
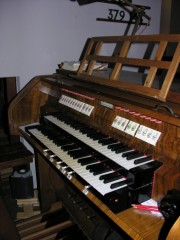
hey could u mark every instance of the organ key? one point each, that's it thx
(111, 174)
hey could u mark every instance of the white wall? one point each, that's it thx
(36, 35)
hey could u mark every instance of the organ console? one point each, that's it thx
(105, 140)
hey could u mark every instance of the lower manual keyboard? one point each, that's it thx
(82, 171)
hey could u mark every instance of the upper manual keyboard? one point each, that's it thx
(111, 148)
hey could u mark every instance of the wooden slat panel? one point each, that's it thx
(92, 63)
(150, 66)
(117, 67)
(170, 74)
(153, 70)
(88, 51)
(131, 62)
(139, 38)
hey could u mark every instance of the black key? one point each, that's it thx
(104, 167)
(123, 149)
(121, 183)
(133, 156)
(79, 153)
(96, 166)
(112, 141)
(98, 136)
(87, 160)
(126, 154)
(56, 137)
(111, 177)
(106, 141)
(101, 170)
(93, 133)
(87, 130)
(113, 165)
(78, 126)
(112, 145)
(73, 152)
(115, 146)
(123, 171)
(106, 176)
(100, 157)
(61, 142)
(142, 160)
(118, 184)
(93, 167)
(69, 147)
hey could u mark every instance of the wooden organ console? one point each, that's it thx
(105, 140)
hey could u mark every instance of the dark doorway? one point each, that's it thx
(7, 92)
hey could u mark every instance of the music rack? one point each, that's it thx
(151, 66)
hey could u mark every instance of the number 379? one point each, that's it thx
(115, 14)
